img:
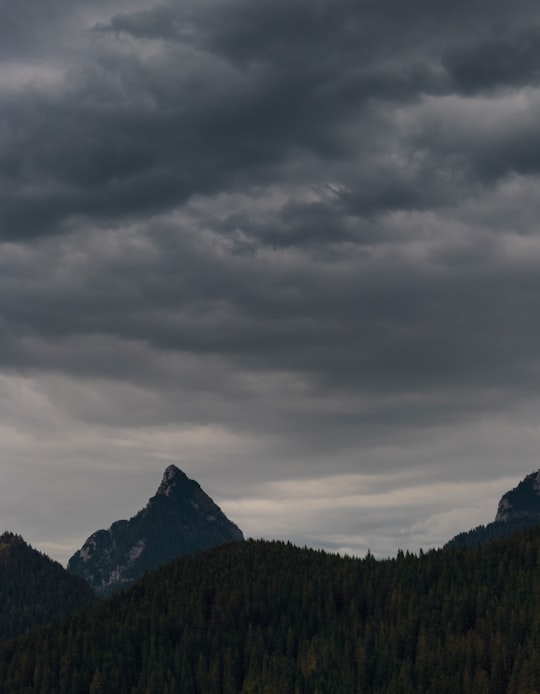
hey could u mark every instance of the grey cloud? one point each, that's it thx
(379, 325)
(307, 226)
(128, 135)
(499, 61)
(26, 28)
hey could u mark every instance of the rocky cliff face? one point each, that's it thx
(521, 502)
(180, 519)
(518, 510)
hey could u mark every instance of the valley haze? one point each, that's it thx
(291, 247)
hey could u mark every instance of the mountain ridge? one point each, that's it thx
(35, 589)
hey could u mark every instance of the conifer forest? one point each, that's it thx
(262, 617)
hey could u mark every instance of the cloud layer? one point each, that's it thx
(279, 244)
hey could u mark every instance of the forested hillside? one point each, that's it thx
(483, 534)
(265, 617)
(34, 589)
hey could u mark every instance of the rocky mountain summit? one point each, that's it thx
(517, 510)
(180, 519)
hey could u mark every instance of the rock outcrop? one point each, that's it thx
(517, 510)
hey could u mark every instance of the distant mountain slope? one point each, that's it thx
(180, 519)
(267, 617)
(35, 589)
(517, 510)
(521, 502)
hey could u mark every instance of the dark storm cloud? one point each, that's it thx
(498, 61)
(128, 135)
(231, 95)
(334, 196)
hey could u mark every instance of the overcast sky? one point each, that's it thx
(291, 246)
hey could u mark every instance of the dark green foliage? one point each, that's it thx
(35, 589)
(265, 618)
(493, 531)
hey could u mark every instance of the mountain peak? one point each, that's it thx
(172, 477)
(172, 472)
(179, 519)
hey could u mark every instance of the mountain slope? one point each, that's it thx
(521, 502)
(180, 519)
(517, 510)
(257, 617)
(35, 589)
